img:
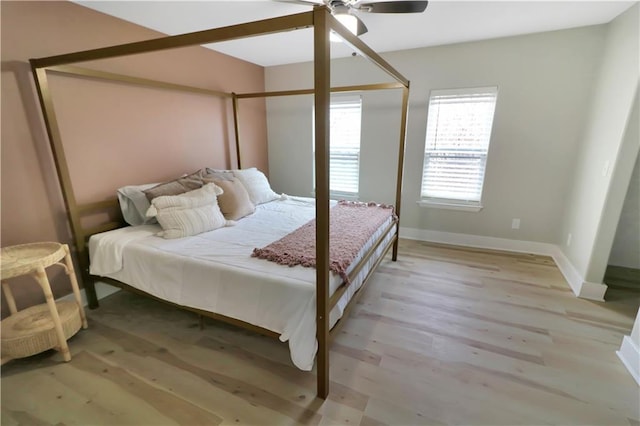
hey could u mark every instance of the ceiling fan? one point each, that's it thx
(346, 11)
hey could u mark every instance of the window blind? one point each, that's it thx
(344, 149)
(459, 126)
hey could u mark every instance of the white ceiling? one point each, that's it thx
(444, 22)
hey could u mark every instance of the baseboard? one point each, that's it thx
(477, 241)
(629, 354)
(570, 273)
(580, 287)
(102, 290)
(593, 291)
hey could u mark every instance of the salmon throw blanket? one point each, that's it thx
(351, 226)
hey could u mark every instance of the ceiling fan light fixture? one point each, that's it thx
(349, 21)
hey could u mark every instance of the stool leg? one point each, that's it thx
(41, 276)
(11, 302)
(74, 284)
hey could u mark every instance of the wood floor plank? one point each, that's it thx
(199, 392)
(166, 402)
(471, 342)
(340, 394)
(423, 395)
(238, 388)
(386, 413)
(67, 395)
(21, 418)
(445, 335)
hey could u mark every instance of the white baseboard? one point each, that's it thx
(102, 290)
(570, 273)
(593, 291)
(478, 241)
(629, 354)
(580, 287)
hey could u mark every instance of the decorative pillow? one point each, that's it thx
(134, 203)
(177, 186)
(216, 174)
(190, 213)
(234, 201)
(257, 185)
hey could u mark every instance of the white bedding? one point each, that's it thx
(215, 272)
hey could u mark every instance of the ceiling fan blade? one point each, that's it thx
(362, 28)
(302, 2)
(393, 6)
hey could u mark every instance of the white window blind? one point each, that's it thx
(344, 149)
(458, 132)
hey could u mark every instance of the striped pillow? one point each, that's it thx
(188, 214)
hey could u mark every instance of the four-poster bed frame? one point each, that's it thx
(322, 22)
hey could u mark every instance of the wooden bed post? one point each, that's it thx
(322, 84)
(401, 147)
(236, 127)
(62, 169)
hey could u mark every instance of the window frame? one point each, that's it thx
(337, 194)
(449, 202)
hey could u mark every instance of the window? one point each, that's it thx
(344, 146)
(455, 156)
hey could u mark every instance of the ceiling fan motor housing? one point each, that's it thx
(339, 6)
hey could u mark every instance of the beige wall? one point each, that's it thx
(113, 134)
(545, 81)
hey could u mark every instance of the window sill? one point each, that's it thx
(450, 206)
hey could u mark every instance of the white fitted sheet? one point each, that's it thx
(214, 271)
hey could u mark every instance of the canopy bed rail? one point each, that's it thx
(76, 211)
(347, 89)
(323, 23)
(359, 88)
(138, 81)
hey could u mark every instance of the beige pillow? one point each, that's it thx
(256, 184)
(188, 214)
(176, 187)
(234, 201)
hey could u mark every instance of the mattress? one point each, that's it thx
(214, 271)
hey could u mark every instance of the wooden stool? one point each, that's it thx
(38, 328)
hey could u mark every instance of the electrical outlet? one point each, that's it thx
(515, 223)
(569, 240)
(605, 169)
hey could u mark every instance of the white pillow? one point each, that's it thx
(190, 213)
(134, 203)
(256, 184)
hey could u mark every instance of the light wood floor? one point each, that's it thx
(443, 336)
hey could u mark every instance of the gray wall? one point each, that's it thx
(290, 130)
(604, 163)
(626, 245)
(545, 83)
(614, 201)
